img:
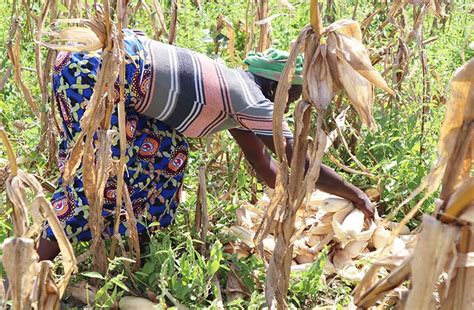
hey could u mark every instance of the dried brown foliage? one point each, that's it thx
(262, 10)
(174, 22)
(31, 282)
(435, 253)
(345, 66)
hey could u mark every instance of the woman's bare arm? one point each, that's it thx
(329, 181)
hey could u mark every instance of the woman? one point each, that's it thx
(194, 96)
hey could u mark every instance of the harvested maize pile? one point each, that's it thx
(326, 220)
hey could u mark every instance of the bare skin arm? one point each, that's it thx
(329, 181)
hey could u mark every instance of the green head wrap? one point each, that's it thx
(270, 65)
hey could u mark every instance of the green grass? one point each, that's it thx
(171, 263)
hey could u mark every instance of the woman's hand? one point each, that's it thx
(365, 205)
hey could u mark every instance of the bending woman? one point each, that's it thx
(174, 92)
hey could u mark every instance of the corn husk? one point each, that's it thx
(19, 260)
(132, 303)
(318, 228)
(334, 204)
(381, 237)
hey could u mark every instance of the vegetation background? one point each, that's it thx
(394, 159)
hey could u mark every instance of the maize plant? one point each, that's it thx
(440, 267)
(31, 283)
(335, 59)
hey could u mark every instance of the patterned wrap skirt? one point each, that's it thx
(156, 154)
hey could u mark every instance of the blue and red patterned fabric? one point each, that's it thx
(156, 154)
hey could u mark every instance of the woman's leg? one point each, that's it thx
(48, 249)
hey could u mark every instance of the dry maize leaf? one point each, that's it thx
(356, 55)
(19, 260)
(133, 239)
(173, 22)
(83, 292)
(358, 89)
(221, 22)
(332, 59)
(370, 290)
(347, 27)
(245, 235)
(305, 258)
(461, 198)
(268, 19)
(397, 4)
(45, 292)
(13, 51)
(340, 127)
(468, 215)
(74, 39)
(69, 259)
(244, 217)
(92, 119)
(313, 240)
(240, 249)
(319, 79)
(94, 184)
(341, 260)
(438, 8)
(24, 178)
(355, 248)
(299, 246)
(31, 181)
(459, 111)
(287, 192)
(429, 261)
(235, 287)
(15, 192)
(161, 18)
(5, 78)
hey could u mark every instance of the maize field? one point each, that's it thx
(387, 101)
